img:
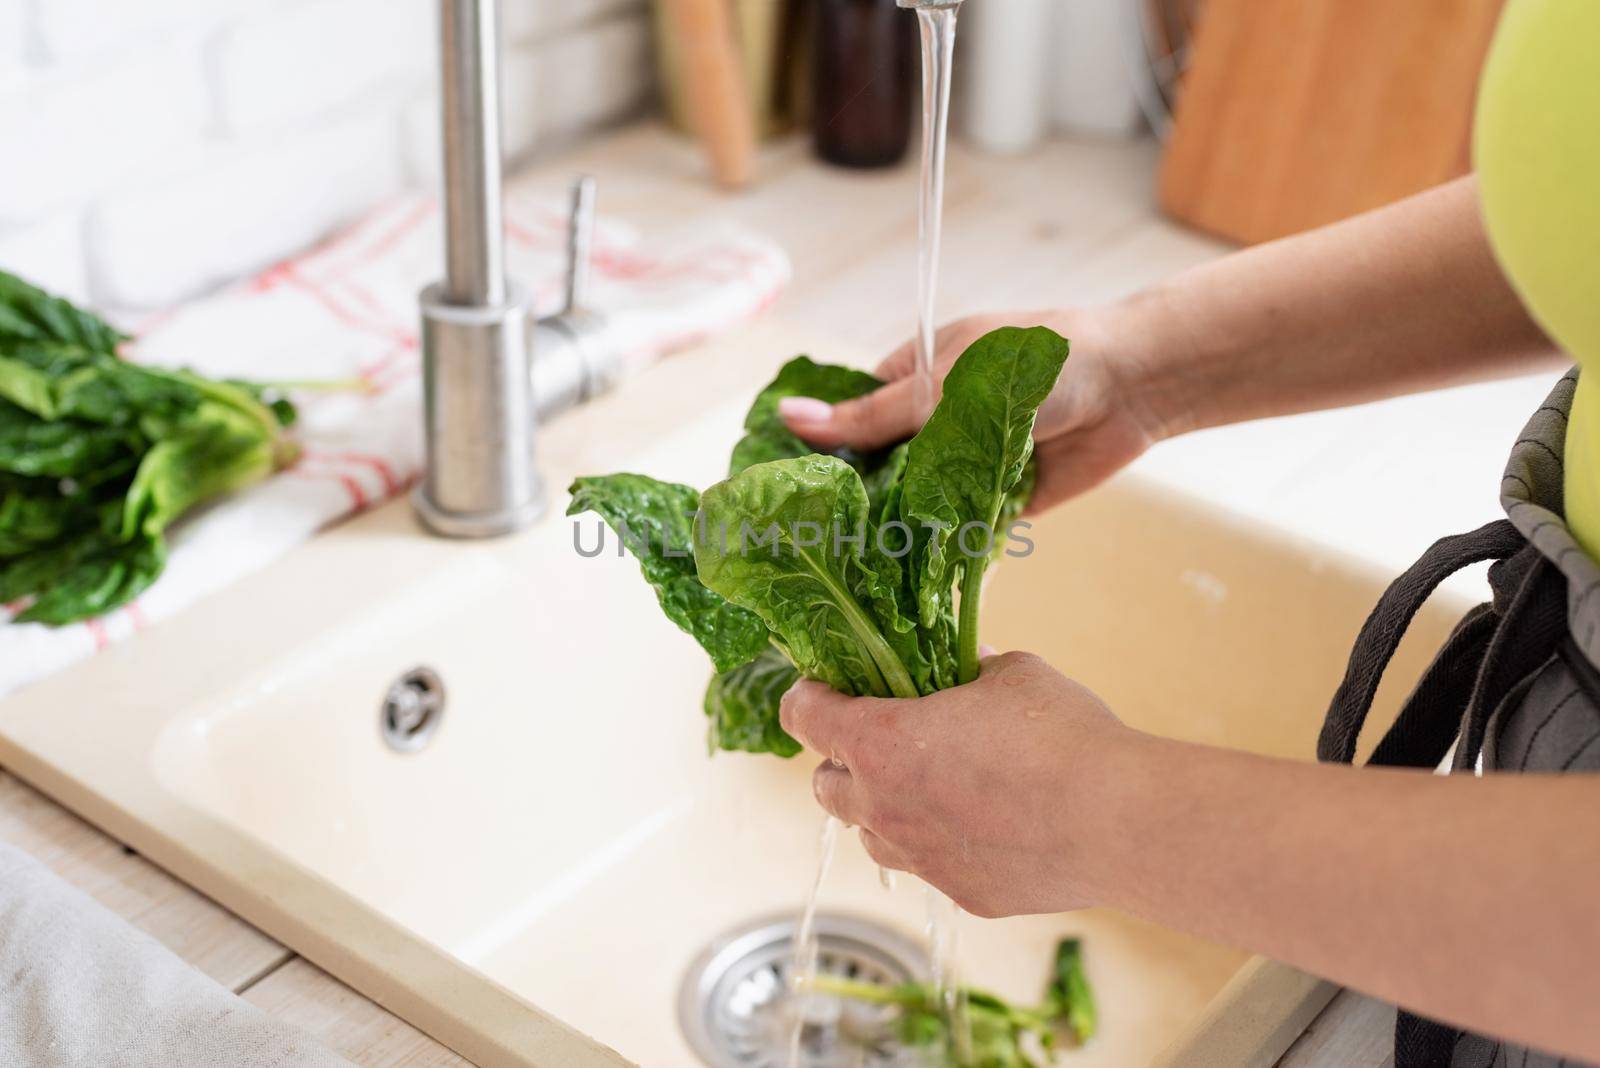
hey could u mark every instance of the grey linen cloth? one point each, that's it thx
(81, 988)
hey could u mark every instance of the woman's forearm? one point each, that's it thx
(1464, 899)
(1401, 299)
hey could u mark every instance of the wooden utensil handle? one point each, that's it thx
(717, 98)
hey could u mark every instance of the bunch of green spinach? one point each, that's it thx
(844, 566)
(98, 456)
(986, 1031)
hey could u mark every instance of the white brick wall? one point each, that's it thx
(73, 133)
(590, 73)
(49, 252)
(281, 65)
(237, 210)
(66, 30)
(13, 42)
(156, 148)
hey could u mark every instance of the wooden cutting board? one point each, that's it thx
(1296, 113)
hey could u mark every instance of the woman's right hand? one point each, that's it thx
(1090, 426)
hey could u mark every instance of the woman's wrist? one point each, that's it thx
(1159, 369)
(1109, 798)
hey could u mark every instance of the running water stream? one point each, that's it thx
(803, 969)
(937, 23)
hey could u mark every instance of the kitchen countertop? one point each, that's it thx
(1070, 222)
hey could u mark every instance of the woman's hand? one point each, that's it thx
(987, 791)
(1089, 427)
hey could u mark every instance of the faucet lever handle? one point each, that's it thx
(580, 238)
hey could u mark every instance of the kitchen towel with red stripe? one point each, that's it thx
(348, 308)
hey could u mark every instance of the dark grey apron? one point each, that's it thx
(1515, 687)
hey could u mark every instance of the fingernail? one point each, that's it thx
(986, 650)
(805, 410)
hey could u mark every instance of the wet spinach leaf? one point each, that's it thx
(967, 459)
(742, 706)
(768, 438)
(844, 562)
(775, 545)
(654, 520)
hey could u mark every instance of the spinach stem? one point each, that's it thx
(866, 632)
(906, 997)
(967, 634)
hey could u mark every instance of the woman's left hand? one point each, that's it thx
(989, 791)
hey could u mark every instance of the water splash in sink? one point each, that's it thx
(804, 968)
(944, 937)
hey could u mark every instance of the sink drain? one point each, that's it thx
(737, 1009)
(412, 709)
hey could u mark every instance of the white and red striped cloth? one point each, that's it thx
(348, 308)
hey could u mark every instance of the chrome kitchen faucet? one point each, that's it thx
(490, 370)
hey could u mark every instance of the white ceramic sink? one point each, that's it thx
(548, 866)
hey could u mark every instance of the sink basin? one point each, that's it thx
(531, 884)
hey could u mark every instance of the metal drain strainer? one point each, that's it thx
(737, 1010)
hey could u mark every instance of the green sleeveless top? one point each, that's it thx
(1537, 153)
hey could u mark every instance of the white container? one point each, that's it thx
(1093, 88)
(1002, 69)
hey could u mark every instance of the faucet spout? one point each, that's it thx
(469, 104)
(478, 405)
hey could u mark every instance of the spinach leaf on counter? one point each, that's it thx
(35, 512)
(70, 449)
(56, 381)
(28, 313)
(845, 561)
(82, 576)
(99, 456)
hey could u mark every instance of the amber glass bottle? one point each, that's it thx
(865, 56)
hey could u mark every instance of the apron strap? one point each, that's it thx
(1380, 635)
(1423, 1043)
(1531, 630)
(1431, 717)
(1493, 653)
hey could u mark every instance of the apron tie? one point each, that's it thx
(1492, 656)
(1380, 636)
